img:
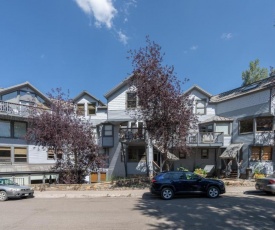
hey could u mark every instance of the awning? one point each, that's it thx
(231, 151)
(170, 156)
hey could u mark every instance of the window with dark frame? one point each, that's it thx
(136, 154)
(264, 123)
(13, 129)
(108, 130)
(20, 154)
(5, 154)
(246, 126)
(50, 154)
(91, 109)
(131, 100)
(182, 155)
(204, 154)
(81, 109)
(259, 153)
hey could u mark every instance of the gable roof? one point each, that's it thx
(24, 84)
(244, 90)
(117, 87)
(84, 92)
(196, 87)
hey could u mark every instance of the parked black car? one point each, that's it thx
(168, 184)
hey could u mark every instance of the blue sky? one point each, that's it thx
(82, 44)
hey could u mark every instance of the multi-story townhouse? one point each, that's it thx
(20, 160)
(234, 135)
(235, 131)
(24, 162)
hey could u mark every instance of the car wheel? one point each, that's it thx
(3, 196)
(213, 192)
(167, 193)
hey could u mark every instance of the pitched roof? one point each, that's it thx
(84, 92)
(196, 87)
(117, 87)
(24, 84)
(247, 89)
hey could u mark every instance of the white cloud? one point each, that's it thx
(122, 37)
(102, 10)
(227, 36)
(194, 47)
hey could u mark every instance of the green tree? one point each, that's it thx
(254, 73)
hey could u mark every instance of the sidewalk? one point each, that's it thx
(138, 193)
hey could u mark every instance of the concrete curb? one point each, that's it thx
(122, 193)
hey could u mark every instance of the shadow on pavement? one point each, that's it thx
(199, 212)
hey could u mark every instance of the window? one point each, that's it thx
(81, 109)
(204, 154)
(5, 154)
(136, 154)
(206, 128)
(50, 154)
(5, 129)
(182, 155)
(131, 100)
(264, 123)
(20, 154)
(223, 127)
(9, 96)
(13, 129)
(201, 107)
(246, 126)
(92, 109)
(20, 129)
(107, 130)
(261, 153)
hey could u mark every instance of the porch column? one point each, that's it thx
(150, 158)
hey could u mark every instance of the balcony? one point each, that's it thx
(264, 138)
(132, 135)
(9, 108)
(205, 139)
(14, 109)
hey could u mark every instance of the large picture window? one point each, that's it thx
(246, 126)
(13, 129)
(264, 123)
(131, 100)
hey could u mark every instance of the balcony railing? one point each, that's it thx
(16, 109)
(132, 134)
(203, 138)
(264, 138)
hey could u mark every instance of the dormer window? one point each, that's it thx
(91, 109)
(200, 107)
(131, 100)
(81, 109)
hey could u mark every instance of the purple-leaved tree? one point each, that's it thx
(165, 110)
(72, 139)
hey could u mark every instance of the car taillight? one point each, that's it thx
(272, 181)
(153, 180)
